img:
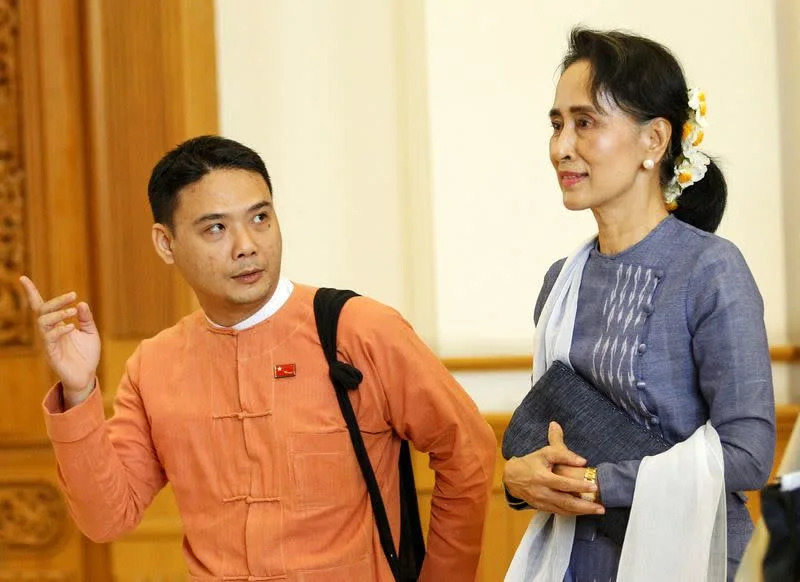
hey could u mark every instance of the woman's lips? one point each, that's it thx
(569, 179)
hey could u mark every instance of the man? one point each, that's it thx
(233, 405)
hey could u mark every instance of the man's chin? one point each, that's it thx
(255, 295)
(257, 299)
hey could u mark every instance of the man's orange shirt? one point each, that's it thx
(264, 474)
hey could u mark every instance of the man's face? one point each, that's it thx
(226, 242)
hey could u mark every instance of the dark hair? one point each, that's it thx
(644, 79)
(189, 162)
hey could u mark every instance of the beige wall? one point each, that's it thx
(788, 42)
(408, 142)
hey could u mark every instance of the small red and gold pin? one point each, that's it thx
(285, 371)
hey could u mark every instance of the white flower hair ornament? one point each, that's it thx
(691, 164)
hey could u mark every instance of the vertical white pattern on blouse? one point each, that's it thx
(614, 353)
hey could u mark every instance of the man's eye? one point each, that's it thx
(262, 217)
(215, 228)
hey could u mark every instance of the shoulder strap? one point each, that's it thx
(328, 305)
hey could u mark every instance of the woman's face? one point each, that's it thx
(597, 154)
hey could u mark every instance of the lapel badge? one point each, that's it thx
(285, 371)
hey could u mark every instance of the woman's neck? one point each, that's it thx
(622, 227)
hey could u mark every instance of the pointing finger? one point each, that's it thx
(34, 297)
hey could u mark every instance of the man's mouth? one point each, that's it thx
(249, 275)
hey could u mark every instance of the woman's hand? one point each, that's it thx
(551, 479)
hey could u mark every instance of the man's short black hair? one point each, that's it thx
(189, 162)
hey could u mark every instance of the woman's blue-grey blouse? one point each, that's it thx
(672, 331)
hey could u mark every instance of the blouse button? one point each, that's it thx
(659, 273)
(641, 384)
(648, 308)
(642, 348)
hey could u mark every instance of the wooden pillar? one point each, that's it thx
(92, 93)
(151, 84)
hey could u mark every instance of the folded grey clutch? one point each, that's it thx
(594, 427)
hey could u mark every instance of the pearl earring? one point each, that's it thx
(648, 164)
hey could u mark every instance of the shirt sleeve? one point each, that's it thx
(428, 407)
(725, 313)
(108, 470)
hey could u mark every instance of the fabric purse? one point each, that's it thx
(594, 427)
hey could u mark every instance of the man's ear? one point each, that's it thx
(162, 241)
(657, 135)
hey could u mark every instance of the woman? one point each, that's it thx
(669, 322)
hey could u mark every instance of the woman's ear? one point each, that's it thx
(657, 135)
(162, 241)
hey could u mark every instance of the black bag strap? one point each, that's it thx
(412, 542)
(328, 305)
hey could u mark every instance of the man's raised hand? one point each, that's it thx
(73, 351)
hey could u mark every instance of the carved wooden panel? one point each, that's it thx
(44, 233)
(32, 515)
(38, 539)
(14, 320)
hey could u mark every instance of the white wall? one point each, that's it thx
(312, 86)
(408, 144)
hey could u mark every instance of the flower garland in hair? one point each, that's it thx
(691, 164)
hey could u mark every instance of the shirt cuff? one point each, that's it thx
(67, 426)
(616, 483)
(514, 502)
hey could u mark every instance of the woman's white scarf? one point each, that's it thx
(677, 527)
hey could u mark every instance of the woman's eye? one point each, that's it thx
(583, 123)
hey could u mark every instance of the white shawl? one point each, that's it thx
(677, 528)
